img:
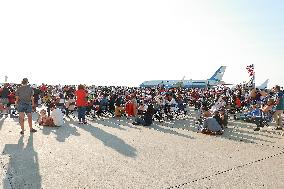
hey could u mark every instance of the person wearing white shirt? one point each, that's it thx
(219, 104)
(57, 116)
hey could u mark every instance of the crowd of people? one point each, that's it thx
(214, 106)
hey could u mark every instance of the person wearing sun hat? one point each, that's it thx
(25, 102)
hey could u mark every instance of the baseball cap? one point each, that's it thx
(25, 81)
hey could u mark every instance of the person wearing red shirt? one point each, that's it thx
(43, 88)
(81, 102)
(12, 98)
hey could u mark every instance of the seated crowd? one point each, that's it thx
(214, 106)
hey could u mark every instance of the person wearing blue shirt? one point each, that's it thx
(255, 112)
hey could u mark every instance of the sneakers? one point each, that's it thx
(278, 128)
(257, 129)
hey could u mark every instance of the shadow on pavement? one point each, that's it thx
(237, 131)
(116, 123)
(23, 167)
(168, 131)
(109, 122)
(2, 119)
(62, 133)
(109, 140)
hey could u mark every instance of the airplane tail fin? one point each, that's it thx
(264, 85)
(218, 75)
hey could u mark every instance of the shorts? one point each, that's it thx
(26, 108)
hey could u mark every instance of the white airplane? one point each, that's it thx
(250, 84)
(263, 85)
(212, 81)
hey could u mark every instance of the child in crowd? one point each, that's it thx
(55, 119)
(44, 120)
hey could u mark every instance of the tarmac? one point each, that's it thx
(113, 153)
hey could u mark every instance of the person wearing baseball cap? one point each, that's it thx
(25, 102)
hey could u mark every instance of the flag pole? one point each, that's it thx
(253, 80)
(253, 76)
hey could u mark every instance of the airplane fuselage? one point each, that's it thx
(214, 80)
(178, 83)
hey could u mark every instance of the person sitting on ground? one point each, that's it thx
(267, 110)
(142, 108)
(119, 107)
(221, 118)
(253, 114)
(56, 115)
(11, 98)
(268, 106)
(44, 120)
(147, 118)
(210, 125)
(103, 105)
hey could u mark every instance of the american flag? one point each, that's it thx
(250, 70)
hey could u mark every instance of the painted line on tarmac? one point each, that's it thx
(227, 171)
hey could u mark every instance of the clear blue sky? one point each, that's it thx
(126, 42)
(261, 23)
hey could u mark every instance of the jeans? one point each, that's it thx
(82, 113)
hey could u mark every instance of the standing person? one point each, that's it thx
(25, 102)
(36, 97)
(279, 107)
(70, 105)
(135, 105)
(81, 102)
